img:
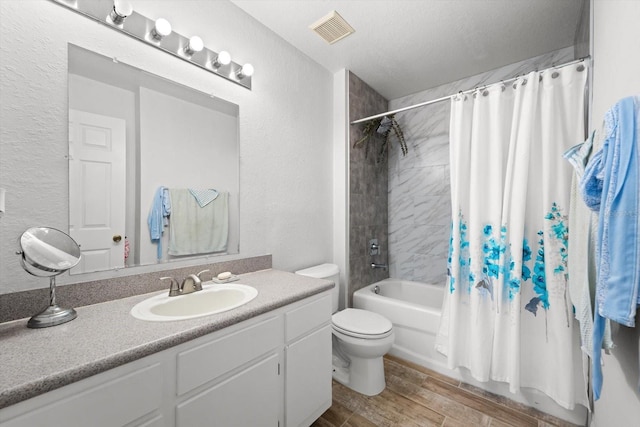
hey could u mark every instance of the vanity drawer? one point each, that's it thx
(206, 362)
(308, 317)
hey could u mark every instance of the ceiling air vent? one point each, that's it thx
(332, 27)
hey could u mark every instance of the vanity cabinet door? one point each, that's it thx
(308, 378)
(252, 397)
(132, 394)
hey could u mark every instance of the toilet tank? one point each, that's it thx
(327, 272)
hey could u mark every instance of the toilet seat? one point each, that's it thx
(363, 324)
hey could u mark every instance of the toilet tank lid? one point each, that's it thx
(322, 271)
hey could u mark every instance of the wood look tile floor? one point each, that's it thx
(419, 397)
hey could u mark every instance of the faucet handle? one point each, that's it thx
(191, 283)
(200, 275)
(174, 289)
(197, 282)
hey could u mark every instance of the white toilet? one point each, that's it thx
(360, 339)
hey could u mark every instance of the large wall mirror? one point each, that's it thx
(138, 142)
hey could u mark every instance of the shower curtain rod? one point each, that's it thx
(433, 101)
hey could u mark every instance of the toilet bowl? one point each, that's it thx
(360, 339)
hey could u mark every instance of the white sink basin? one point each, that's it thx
(211, 299)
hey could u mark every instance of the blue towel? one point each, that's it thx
(157, 219)
(592, 182)
(614, 175)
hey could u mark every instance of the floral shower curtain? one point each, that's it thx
(506, 315)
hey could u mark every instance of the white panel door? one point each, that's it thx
(97, 189)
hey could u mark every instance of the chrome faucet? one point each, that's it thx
(382, 266)
(191, 283)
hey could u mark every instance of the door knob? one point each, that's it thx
(117, 238)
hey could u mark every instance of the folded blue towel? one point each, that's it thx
(592, 182)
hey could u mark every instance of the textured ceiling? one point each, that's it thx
(405, 46)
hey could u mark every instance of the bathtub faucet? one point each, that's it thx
(382, 266)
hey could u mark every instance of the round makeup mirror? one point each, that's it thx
(48, 252)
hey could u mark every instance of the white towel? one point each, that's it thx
(194, 229)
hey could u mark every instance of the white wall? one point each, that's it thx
(341, 179)
(285, 125)
(616, 74)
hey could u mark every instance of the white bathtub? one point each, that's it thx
(414, 310)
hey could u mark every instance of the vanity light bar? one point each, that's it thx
(119, 15)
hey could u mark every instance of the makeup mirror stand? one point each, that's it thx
(52, 315)
(48, 252)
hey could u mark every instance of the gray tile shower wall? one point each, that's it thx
(368, 186)
(419, 194)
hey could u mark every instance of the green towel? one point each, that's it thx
(194, 229)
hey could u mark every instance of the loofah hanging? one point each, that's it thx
(384, 127)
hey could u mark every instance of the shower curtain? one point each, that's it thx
(507, 315)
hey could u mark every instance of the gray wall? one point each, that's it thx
(583, 32)
(367, 191)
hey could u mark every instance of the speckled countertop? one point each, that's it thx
(105, 335)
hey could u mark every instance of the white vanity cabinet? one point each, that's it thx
(308, 362)
(117, 397)
(271, 370)
(233, 380)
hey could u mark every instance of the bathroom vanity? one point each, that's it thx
(267, 363)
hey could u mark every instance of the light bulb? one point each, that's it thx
(162, 28)
(223, 58)
(245, 71)
(195, 45)
(121, 9)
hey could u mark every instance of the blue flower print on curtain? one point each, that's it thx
(512, 280)
(492, 249)
(539, 280)
(558, 254)
(464, 259)
(560, 233)
(526, 256)
(496, 261)
(452, 279)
